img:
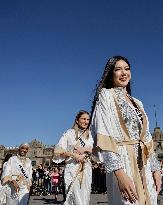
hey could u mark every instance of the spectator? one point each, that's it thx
(55, 177)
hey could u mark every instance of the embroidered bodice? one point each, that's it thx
(129, 114)
(133, 119)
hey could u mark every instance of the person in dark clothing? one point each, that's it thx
(41, 175)
(62, 185)
(47, 183)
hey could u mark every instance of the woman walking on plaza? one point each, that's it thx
(17, 176)
(75, 147)
(122, 139)
(55, 180)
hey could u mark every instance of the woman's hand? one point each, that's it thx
(78, 157)
(79, 150)
(83, 150)
(126, 186)
(64, 154)
(157, 181)
(15, 185)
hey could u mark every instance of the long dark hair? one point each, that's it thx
(7, 157)
(107, 78)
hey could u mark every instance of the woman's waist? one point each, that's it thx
(73, 163)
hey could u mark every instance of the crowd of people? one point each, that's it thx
(115, 133)
(98, 178)
(50, 180)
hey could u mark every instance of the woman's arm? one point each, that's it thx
(126, 186)
(61, 147)
(83, 150)
(155, 164)
(7, 175)
(101, 121)
(112, 161)
(156, 169)
(157, 180)
(74, 155)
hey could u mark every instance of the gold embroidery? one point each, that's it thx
(109, 143)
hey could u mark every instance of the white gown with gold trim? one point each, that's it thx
(78, 195)
(105, 122)
(13, 170)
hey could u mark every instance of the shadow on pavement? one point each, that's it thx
(48, 201)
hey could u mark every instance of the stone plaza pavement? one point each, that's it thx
(96, 199)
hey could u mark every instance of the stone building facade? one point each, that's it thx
(158, 142)
(42, 154)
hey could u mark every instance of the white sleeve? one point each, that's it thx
(63, 140)
(100, 119)
(90, 140)
(7, 170)
(30, 170)
(62, 144)
(101, 124)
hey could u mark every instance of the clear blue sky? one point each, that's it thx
(53, 52)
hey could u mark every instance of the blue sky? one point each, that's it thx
(53, 52)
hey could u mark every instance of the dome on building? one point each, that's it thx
(36, 144)
(2, 147)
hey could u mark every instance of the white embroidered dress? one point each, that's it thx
(105, 122)
(14, 169)
(3, 190)
(76, 195)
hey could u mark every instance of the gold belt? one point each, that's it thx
(146, 148)
(139, 175)
(108, 143)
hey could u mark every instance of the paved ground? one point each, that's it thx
(96, 199)
(160, 199)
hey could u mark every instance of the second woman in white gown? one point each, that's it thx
(75, 147)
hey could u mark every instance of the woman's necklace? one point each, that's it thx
(22, 159)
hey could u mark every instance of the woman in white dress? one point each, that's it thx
(122, 139)
(3, 189)
(75, 147)
(17, 176)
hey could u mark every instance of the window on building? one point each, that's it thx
(33, 163)
(47, 163)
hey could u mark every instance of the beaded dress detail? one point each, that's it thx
(133, 119)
